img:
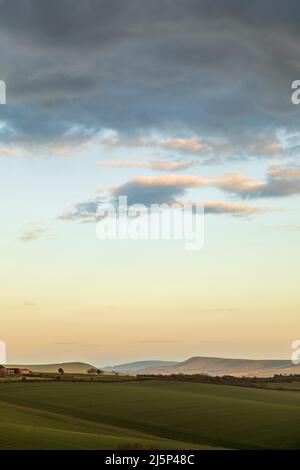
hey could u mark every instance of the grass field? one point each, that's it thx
(284, 386)
(148, 415)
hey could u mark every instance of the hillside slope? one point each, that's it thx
(68, 367)
(223, 366)
(137, 366)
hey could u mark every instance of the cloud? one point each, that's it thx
(272, 148)
(165, 197)
(288, 227)
(166, 189)
(157, 341)
(156, 189)
(209, 150)
(190, 144)
(111, 138)
(159, 165)
(172, 180)
(83, 211)
(170, 189)
(237, 183)
(281, 181)
(229, 208)
(34, 233)
(9, 151)
(139, 66)
(219, 207)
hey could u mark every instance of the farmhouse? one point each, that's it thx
(6, 371)
(21, 371)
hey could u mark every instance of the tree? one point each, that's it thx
(99, 371)
(61, 371)
(92, 370)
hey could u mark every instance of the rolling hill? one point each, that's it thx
(223, 366)
(137, 366)
(68, 367)
(194, 365)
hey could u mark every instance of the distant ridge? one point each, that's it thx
(68, 367)
(222, 366)
(139, 365)
(194, 365)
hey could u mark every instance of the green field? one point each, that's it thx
(284, 386)
(146, 415)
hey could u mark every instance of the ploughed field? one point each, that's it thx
(146, 415)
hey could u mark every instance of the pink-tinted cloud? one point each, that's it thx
(220, 207)
(190, 144)
(34, 232)
(160, 165)
(280, 181)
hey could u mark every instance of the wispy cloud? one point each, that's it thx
(29, 304)
(288, 227)
(66, 343)
(33, 233)
(189, 144)
(193, 144)
(83, 211)
(220, 207)
(280, 181)
(207, 150)
(160, 165)
(87, 212)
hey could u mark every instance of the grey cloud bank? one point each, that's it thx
(134, 66)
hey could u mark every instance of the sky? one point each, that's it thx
(163, 101)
